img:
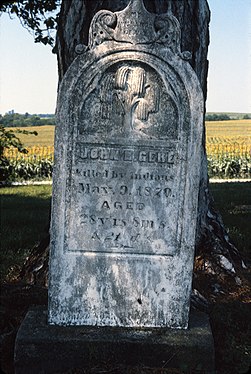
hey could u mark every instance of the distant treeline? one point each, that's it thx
(25, 120)
(224, 117)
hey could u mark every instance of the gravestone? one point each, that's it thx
(124, 209)
(126, 176)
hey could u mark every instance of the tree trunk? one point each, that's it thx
(214, 252)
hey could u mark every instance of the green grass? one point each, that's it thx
(24, 221)
(233, 200)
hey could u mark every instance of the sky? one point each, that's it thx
(28, 70)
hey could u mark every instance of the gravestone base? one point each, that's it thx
(43, 348)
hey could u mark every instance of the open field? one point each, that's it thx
(228, 145)
(234, 128)
(229, 139)
(239, 129)
(45, 136)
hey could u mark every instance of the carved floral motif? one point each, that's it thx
(135, 25)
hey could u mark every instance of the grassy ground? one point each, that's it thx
(25, 215)
(230, 320)
(233, 200)
(24, 221)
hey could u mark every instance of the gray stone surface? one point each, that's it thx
(41, 348)
(126, 176)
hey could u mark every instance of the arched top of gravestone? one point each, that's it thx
(131, 81)
(135, 26)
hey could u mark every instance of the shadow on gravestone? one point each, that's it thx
(125, 193)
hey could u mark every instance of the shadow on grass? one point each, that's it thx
(25, 215)
(233, 200)
(230, 322)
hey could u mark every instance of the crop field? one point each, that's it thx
(216, 131)
(228, 137)
(218, 147)
(228, 145)
(44, 138)
(35, 152)
(231, 128)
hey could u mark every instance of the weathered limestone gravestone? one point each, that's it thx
(125, 191)
(126, 176)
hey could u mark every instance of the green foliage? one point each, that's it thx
(9, 139)
(24, 170)
(246, 116)
(223, 116)
(229, 167)
(36, 16)
(26, 120)
(217, 117)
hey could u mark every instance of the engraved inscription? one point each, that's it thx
(112, 174)
(108, 231)
(116, 205)
(146, 191)
(119, 153)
